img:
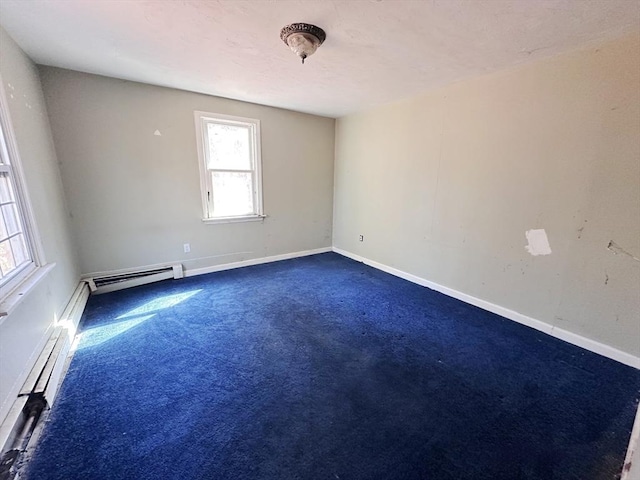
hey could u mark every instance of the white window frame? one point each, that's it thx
(14, 288)
(202, 119)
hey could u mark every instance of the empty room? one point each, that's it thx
(320, 239)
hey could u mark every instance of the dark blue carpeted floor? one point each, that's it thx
(323, 368)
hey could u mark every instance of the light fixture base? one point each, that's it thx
(303, 38)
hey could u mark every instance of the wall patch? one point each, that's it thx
(537, 242)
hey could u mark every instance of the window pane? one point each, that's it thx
(3, 229)
(6, 192)
(7, 262)
(232, 194)
(229, 147)
(11, 218)
(19, 247)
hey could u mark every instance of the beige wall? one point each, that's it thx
(135, 197)
(445, 185)
(23, 332)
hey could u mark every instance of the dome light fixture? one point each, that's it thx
(302, 38)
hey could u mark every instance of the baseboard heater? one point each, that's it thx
(109, 282)
(41, 386)
(37, 394)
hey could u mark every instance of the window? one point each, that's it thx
(230, 174)
(14, 253)
(20, 255)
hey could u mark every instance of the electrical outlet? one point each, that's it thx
(187, 248)
(361, 238)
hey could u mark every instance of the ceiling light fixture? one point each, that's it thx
(302, 38)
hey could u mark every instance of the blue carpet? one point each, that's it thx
(324, 368)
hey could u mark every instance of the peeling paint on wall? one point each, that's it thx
(537, 242)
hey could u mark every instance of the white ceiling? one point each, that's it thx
(376, 51)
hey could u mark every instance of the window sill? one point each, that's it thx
(247, 218)
(13, 299)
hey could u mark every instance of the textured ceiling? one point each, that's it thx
(376, 51)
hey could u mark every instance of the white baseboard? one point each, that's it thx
(567, 336)
(46, 373)
(255, 261)
(68, 323)
(58, 334)
(70, 318)
(631, 469)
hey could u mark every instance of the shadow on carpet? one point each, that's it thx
(324, 368)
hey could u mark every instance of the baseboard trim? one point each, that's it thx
(45, 375)
(68, 323)
(58, 334)
(567, 336)
(70, 318)
(631, 470)
(255, 261)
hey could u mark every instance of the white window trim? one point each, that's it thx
(28, 277)
(200, 119)
(238, 219)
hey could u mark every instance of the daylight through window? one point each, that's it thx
(229, 151)
(15, 255)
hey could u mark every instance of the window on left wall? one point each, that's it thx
(20, 255)
(14, 250)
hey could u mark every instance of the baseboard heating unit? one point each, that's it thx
(41, 386)
(111, 281)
